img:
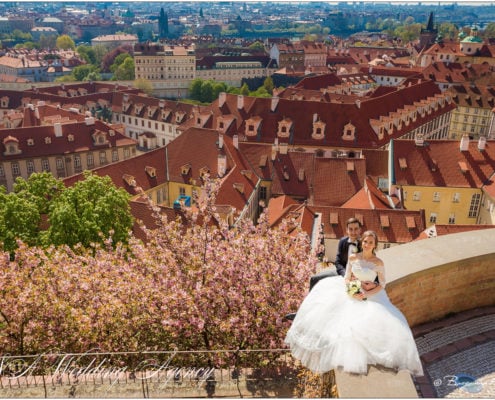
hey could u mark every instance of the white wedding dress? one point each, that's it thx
(333, 330)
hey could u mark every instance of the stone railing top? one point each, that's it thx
(421, 255)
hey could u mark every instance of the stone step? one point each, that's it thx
(380, 382)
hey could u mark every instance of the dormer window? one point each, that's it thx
(70, 137)
(349, 132)
(30, 142)
(185, 169)
(165, 114)
(284, 127)
(151, 171)
(318, 130)
(100, 138)
(252, 126)
(48, 140)
(129, 179)
(203, 172)
(11, 146)
(179, 115)
(138, 107)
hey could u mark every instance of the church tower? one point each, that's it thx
(428, 35)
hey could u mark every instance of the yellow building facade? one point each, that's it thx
(444, 205)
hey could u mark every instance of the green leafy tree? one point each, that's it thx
(93, 76)
(268, 84)
(244, 90)
(88, 212)
(218, 87)
(19, 219)
(87, 53)
(22, 210)
(118, 61)
(408, 32)
(489, 31)
(145, 85)
(125, 71)
(65, 42)
(206, 92)
(40, 188)
(47, 41)
(81, 72)
(448, 30)
(195, 89)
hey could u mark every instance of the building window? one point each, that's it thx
(115, 155)
(30, 167)
(59, 163)
(16, 171)
(456, 197)
(103, 158)
(91, 160)
(436, 196)
(2, 172)
(416, 196)
(452, 218)
(182, 191)
(45, 165)
(475, 205)
(433, 218)
(126, 152)
(263, 192)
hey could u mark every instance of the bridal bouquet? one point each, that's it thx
(353, 287)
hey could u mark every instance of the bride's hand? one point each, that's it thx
(360, 296)
(368, 285)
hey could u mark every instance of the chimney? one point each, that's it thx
(283, 148)
(220, 141)
(222, 165)
(274, 103)
(481, 143)
(222, 97)
(274, 152)
(37, 113)
(419, 139)
(235, 139)
(57, 127)
(315, 117)
(464, 145)
(358, 103)
(240, 102)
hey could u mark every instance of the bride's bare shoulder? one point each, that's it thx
(378, 262)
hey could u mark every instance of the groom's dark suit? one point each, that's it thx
(340, 261)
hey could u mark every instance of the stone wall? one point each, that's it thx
(431, 278)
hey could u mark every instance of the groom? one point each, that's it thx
(347, 245)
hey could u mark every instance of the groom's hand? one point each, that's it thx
(368, 285)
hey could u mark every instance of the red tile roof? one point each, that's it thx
(437, 163)
(440, 230)
(75, 137)
(134, 167)
(397, 230)
(336, 115)
(333, 185)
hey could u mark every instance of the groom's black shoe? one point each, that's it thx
(290, 316)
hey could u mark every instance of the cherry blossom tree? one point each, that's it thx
(198, 285)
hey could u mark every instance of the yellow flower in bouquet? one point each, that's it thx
(353, 287)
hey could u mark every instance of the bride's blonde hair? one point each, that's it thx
(373, 235)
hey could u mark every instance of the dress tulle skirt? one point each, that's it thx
(332, 330)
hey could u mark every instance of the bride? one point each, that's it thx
(349, 322)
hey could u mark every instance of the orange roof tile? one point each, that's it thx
(478, 166)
